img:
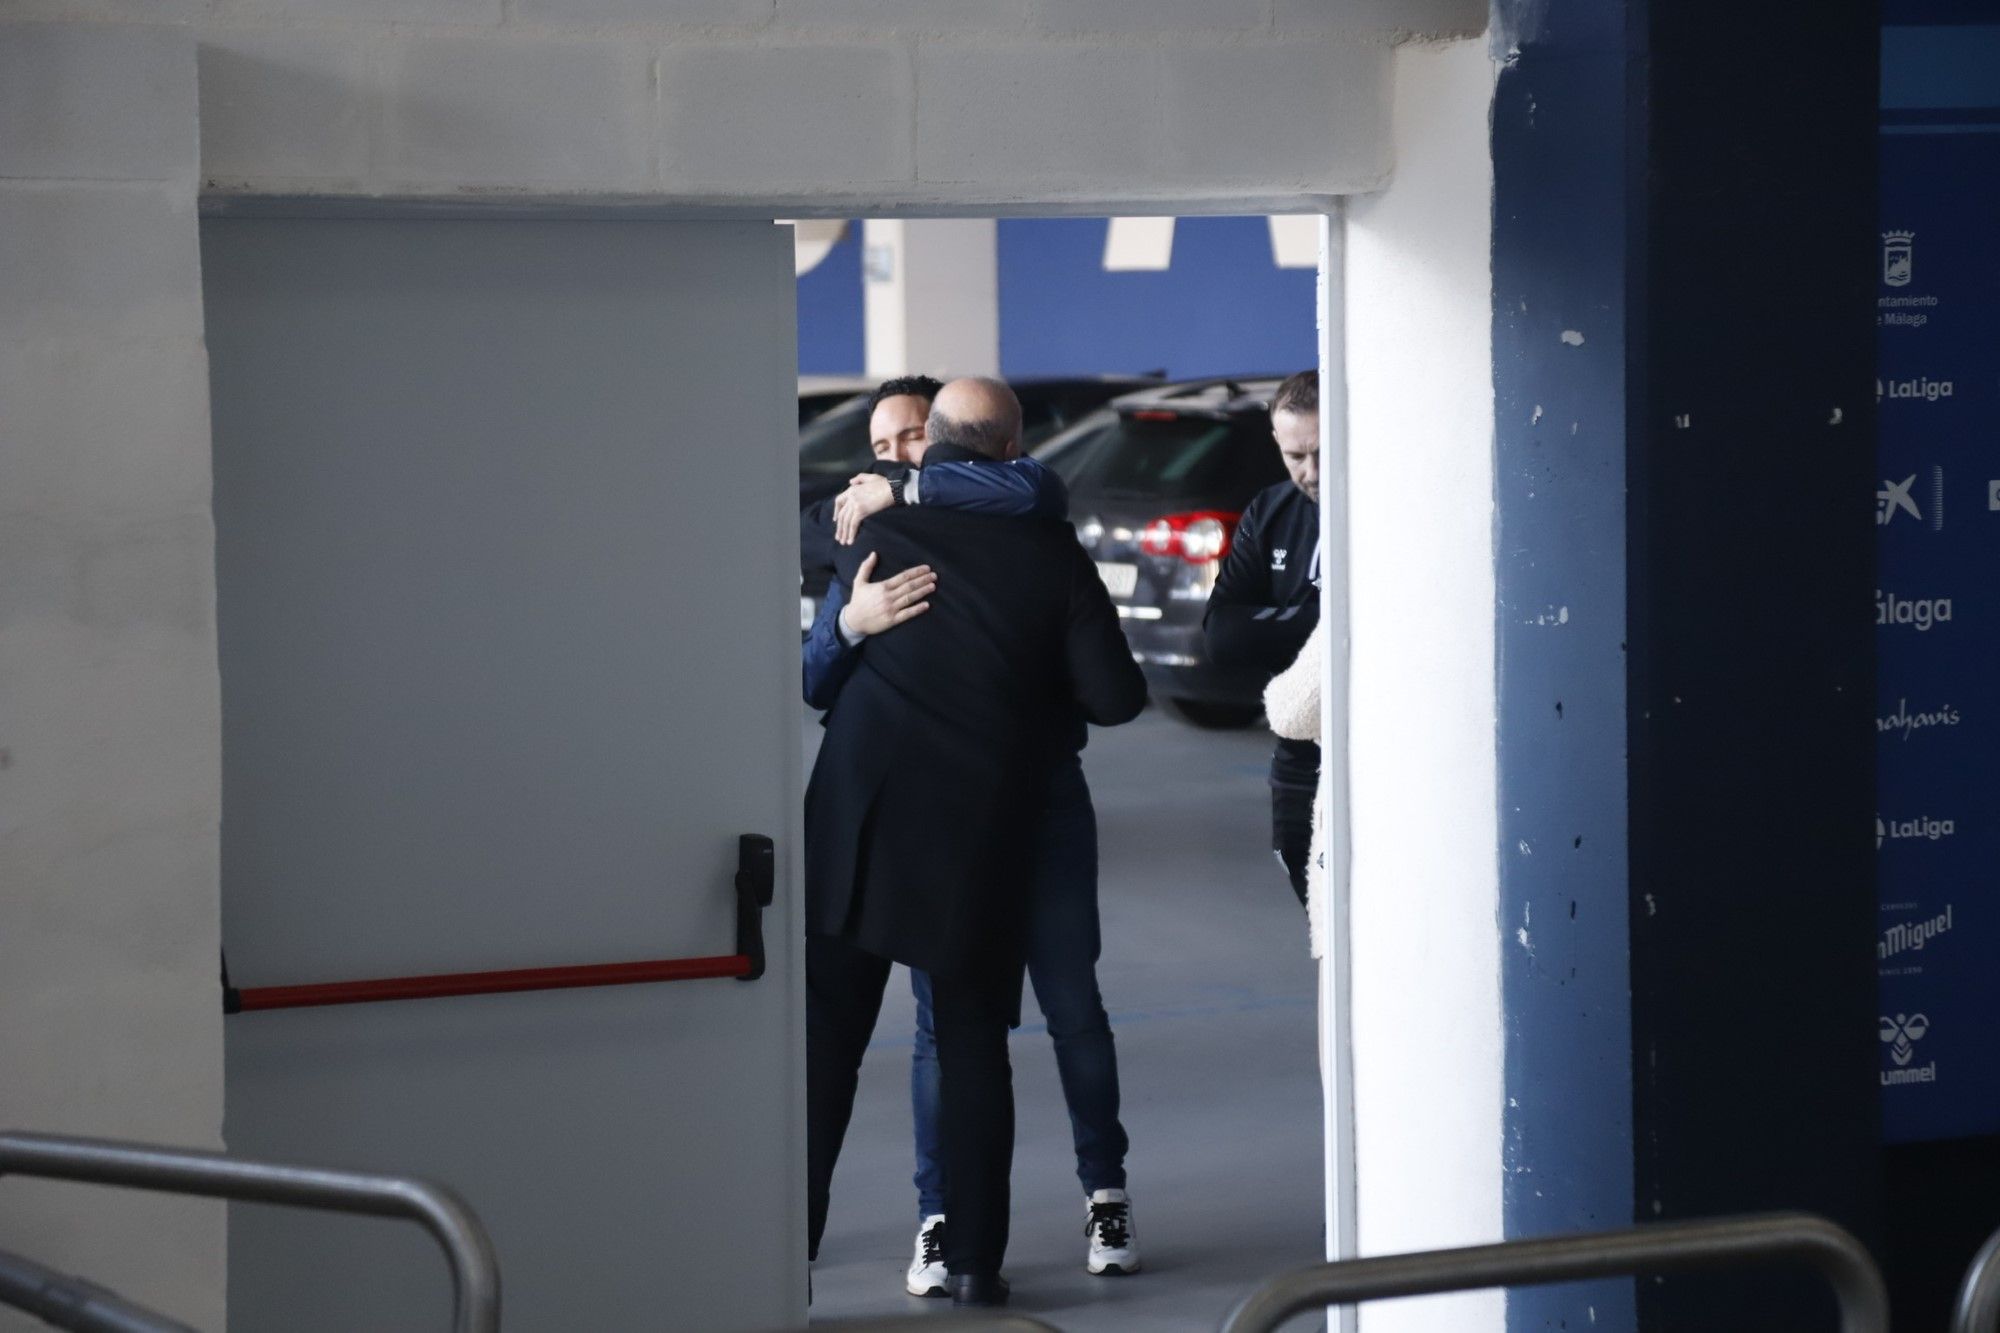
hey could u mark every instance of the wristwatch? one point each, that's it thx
(896, 490)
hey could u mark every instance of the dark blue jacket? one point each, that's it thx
(1020, 488)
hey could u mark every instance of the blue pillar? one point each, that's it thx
(1562, 119)
(1683, 362)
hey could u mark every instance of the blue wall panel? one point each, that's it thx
(1938, 541)
(831, 334)
(1224, 306)
(1560, 260)
(1938, 526)
(1750, 468)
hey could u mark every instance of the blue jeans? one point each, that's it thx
(1063, 944)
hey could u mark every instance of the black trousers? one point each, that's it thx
(971, 1011)
(1292, 833)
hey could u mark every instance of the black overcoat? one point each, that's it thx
(924, 797)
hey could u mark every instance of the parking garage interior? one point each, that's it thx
(1145, 357)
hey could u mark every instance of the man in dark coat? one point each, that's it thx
(921, 806)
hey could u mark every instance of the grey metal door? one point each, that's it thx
(506, 548)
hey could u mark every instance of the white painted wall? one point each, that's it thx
(1425, 877)
(110, 1021)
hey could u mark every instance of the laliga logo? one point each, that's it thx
(1901, 1035)
(1896, 257)
(1923, 828)
(1922, 386)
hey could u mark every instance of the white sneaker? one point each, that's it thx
(927, 1274)
(1114, 1250)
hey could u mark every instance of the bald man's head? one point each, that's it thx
(979, 414)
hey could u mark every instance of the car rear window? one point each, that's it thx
(1180, 456)
(812, 406)
(837, 442)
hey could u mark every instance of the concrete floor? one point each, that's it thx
(1211, 994)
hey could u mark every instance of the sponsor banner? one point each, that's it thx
(1937, 619)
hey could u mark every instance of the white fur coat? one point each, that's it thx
(1292, 702)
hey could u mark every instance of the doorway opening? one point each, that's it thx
(1145, 352)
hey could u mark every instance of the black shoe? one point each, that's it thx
(978, 1289)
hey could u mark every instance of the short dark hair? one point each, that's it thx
(906, 386)
(1299, 393)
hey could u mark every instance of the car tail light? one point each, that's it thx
(1198, 537)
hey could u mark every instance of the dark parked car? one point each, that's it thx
(1156, 485)
(820, 394)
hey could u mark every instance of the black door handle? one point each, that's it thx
(756, 882)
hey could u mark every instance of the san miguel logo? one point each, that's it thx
(1897, 257)
(1912, 936)
(1901, 1035)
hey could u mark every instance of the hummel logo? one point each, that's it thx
(1901, 1035)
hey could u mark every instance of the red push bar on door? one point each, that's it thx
(755, 881)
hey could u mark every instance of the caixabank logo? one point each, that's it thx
(1901, 1035)
(1919, 496)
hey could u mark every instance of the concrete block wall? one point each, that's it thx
(109, 722)
(832, 107)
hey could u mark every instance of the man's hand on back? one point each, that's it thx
(876, 607)
(867, 494)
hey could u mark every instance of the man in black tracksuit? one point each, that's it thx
(1266, 602)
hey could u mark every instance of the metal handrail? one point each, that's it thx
(72, 1303)
(1978, 1309)
(1663, 1248)
(475, 1272)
